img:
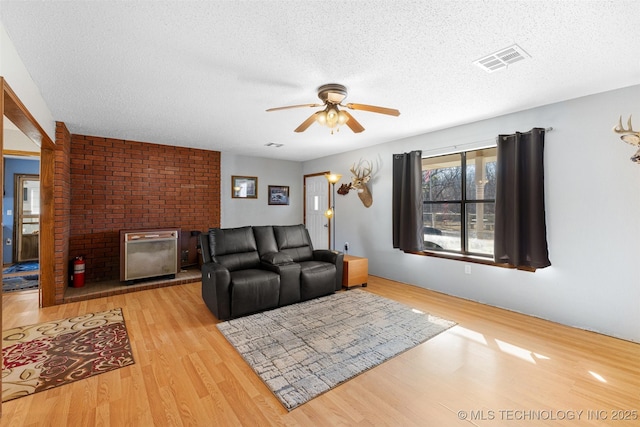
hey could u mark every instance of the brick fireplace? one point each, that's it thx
(117, 184)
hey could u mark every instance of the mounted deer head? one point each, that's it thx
(362, 175)
(629, 136)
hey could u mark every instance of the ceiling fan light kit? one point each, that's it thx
(332, 117)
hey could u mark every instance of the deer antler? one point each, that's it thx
(629, 136)
(620, 129)
(360, 172)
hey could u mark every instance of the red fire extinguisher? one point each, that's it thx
(78, 272)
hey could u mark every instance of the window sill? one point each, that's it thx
(469, 259)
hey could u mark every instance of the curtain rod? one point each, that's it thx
(549, 129)
(460, 147)
(451, 149)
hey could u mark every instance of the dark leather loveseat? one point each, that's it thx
(255, 268)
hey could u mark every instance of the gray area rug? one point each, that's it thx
(303, 350)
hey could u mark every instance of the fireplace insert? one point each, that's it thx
(148, 253)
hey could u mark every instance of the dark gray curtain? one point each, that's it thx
(407, 201)
(520, 229)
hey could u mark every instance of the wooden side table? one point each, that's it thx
(355, 271)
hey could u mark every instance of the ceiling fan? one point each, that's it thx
(332, 96)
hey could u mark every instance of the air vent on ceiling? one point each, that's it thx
(502, 59)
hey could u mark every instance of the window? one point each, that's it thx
(459, 202)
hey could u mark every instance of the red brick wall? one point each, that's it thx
(118, 184)
(62, 207)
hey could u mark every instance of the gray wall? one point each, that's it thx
(241, 212)
(593, 211)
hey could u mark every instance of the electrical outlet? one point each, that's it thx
(467, 269)
(346, 246)
(8, 242)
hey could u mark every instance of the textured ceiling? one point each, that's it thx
(202, 74)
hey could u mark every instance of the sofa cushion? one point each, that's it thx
(294, 241)
(253, 290)
(265, 239)
(234, 248)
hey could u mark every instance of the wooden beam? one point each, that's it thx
(18, 113)
(21, 153)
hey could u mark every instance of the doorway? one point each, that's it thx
(27, 217)
(316, 196)
(15, 112)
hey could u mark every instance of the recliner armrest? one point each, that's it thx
(327, 255)
(215, 289)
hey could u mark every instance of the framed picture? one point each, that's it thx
(244, 187)
(278, 195)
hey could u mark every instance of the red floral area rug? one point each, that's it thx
(46, 355)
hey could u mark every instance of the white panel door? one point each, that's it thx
(316, 203)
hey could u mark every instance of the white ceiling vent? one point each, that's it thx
(502, 59)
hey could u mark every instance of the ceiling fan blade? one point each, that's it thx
(353, 124)
(306, 123)
(295, 106)
(374, 109)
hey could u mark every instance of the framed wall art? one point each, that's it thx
(244, 187)
(278, 195)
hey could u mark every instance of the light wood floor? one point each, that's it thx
(499, 368)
